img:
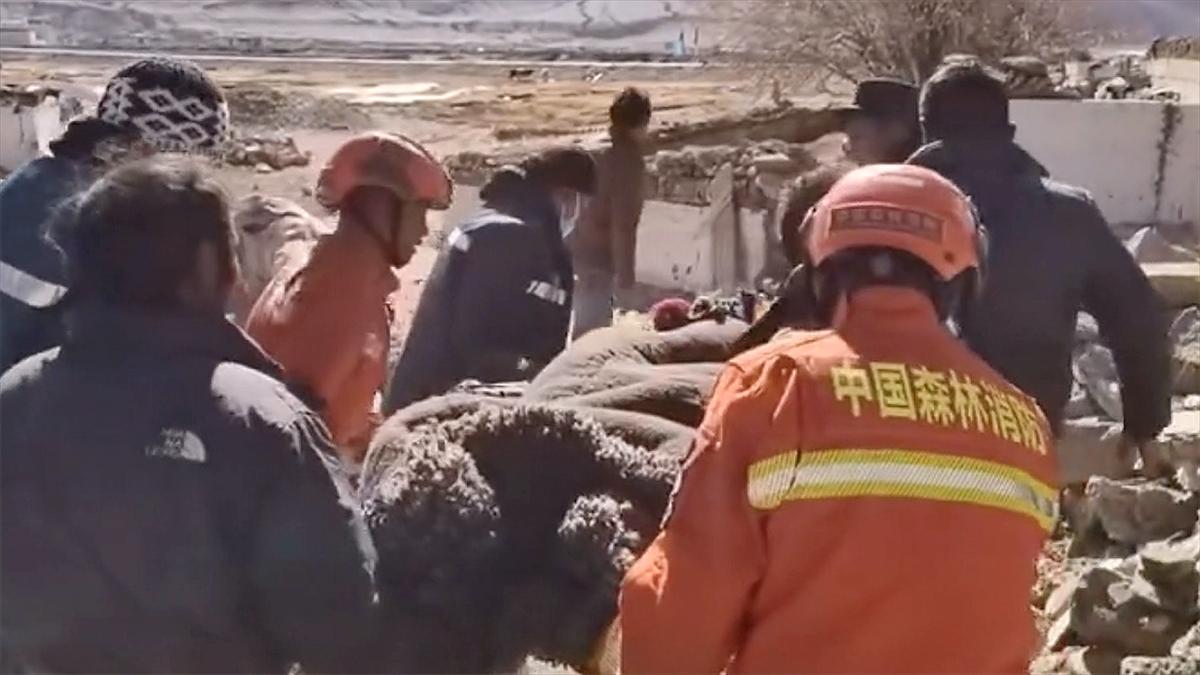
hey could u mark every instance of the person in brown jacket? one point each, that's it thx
(606, 241)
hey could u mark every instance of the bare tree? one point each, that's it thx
(807, 42)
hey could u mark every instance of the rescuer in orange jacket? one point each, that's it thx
(870, 498)
(324, 317)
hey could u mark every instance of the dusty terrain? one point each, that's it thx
(450, 108)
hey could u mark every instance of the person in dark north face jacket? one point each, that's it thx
(169, 505)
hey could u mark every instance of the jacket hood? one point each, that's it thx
(510, 191)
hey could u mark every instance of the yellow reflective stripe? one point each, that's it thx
(770, 480)
(915, 457)
(832, 474)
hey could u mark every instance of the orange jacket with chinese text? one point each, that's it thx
(325, 318)
(870, 498)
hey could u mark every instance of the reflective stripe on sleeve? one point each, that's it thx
(28, 289)
(911, 474)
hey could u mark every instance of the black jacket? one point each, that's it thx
(1051, 256)
(497, 304)
(168, 506)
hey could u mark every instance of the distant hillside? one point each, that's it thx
(633, 25)
(589, 25)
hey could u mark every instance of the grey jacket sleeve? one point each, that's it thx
(1133, 322)
(311, 559)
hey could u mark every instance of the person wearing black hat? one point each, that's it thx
(881, 125)
(1051, 254)
(151, 105)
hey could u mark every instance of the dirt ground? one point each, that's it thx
(449, 108)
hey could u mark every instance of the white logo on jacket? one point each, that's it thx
(178, 444)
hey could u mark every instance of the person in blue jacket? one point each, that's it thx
(152, 105)
(497, 304)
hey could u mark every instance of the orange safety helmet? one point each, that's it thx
(390, 161)
(898, 206)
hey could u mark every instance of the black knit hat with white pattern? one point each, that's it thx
(170, 103)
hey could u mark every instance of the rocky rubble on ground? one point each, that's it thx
(266, 153)
(766, 147)
(682, 176)
(1175, 48)
(1121, 594)
(259, 106)
(759, 171)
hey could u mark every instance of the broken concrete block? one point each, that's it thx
(1188, 646)
(1087, 330)
(1109, 611)
(1149, 246)
(1170, 566)
(1178, 447)
(1090, 446)
(1096, 370)
(1162, 665)
(1184, 338)
(1137, 511)
(1178, 282)
(776, 163)
(1080, 404)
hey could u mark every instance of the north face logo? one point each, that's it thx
(178, 444)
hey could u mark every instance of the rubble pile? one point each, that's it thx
(1122, 594)
(266, 153)
(1175, 48)
(760, 170)
(766, 147)
(682, 176)
(258, 106)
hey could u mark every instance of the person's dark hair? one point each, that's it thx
(570, 168)
(807, 190)
(964, 100)
(132, 237)
(630, 109)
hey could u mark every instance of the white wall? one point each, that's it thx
(1111, 148)
(1182, 75)
(26, 132)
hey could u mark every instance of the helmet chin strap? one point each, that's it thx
(386, 244)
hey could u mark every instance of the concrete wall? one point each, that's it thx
(1182, 75)
(26, 132)
(1112, 149)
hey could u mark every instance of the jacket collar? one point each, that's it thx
(1000, 157)
(166, 332)
(899, 307)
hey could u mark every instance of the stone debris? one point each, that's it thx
(1148, 245)
(266, 153)
(1148, 665)
(1184, 338)
(1027, 77)
(1090, 446)
(1177, 282)
(259, 106)
(1138, 512)
(1175, 48)
(1095, 368)
(759, 171)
